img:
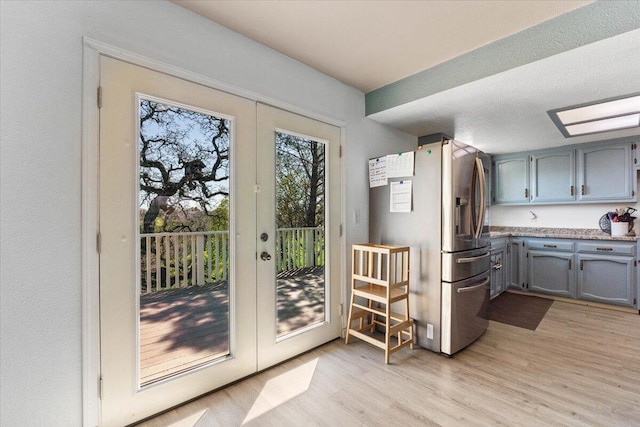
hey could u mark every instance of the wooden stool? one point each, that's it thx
(380, 276)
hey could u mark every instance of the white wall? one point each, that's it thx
(41, 88)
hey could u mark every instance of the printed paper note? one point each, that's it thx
(377, 172)
(399, 165)
(400, 196)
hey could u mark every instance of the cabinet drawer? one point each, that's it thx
(608, 248)
(498, 244)
(551, 245)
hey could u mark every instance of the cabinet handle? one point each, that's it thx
(582, 190)
(571, 190)
(569, 264)
(526, 193)
(497, 266)
(604, 249)
(581, 265)
(550, 246)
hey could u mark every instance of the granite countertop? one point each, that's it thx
(556, 233)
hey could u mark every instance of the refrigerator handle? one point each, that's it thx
(472, 259)
(473, 288)
(479, 169)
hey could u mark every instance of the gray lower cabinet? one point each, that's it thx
(551, 273)
(498, 267)
(602, 271)
(607, 274)
(515, 274)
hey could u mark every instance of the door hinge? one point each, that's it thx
(634, 301)
(340, 230)
(340, 309)
(100, 388)
(508, 249)
(570, 264)
(99, 96)
(340, 151)
(523, 243)
(635, 263)
(99, 242)
(581, 265)
(633, 192)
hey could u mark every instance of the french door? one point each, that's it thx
(299, 234)
(201, 283)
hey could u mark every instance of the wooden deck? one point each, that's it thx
(184, 328)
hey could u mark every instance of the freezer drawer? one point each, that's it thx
(465, 312)
(463, 265)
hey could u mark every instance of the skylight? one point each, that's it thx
(599, 116)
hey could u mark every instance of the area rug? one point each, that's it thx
(523, 311)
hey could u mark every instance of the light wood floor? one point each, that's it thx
(581, 367)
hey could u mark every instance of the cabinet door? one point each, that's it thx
(511, 177)
(515, 264)
(604, 173)
(553, 176)
(607, 279)
(497, 274)
(551, 273)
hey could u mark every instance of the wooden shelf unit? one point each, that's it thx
(380, 277)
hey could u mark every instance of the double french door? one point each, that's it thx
(219, 223)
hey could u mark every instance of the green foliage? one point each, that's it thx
(300, 177)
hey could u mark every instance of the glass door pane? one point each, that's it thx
(300, 232)
(184, 239)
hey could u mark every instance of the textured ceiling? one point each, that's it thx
(507, 112)
(368, 44)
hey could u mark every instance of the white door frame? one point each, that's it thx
(92, 50)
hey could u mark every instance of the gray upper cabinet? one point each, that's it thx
(553, 176)
(511, 179)
(605, 173)
(585, 173)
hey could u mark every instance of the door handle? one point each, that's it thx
(265, 256)
(473, 288)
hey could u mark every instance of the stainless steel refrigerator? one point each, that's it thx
(448, 235)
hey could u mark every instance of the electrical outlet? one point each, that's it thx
(429, 331)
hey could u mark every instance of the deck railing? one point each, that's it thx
(178, 260)
(299, 248)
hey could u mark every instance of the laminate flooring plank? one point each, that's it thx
(581, 367)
